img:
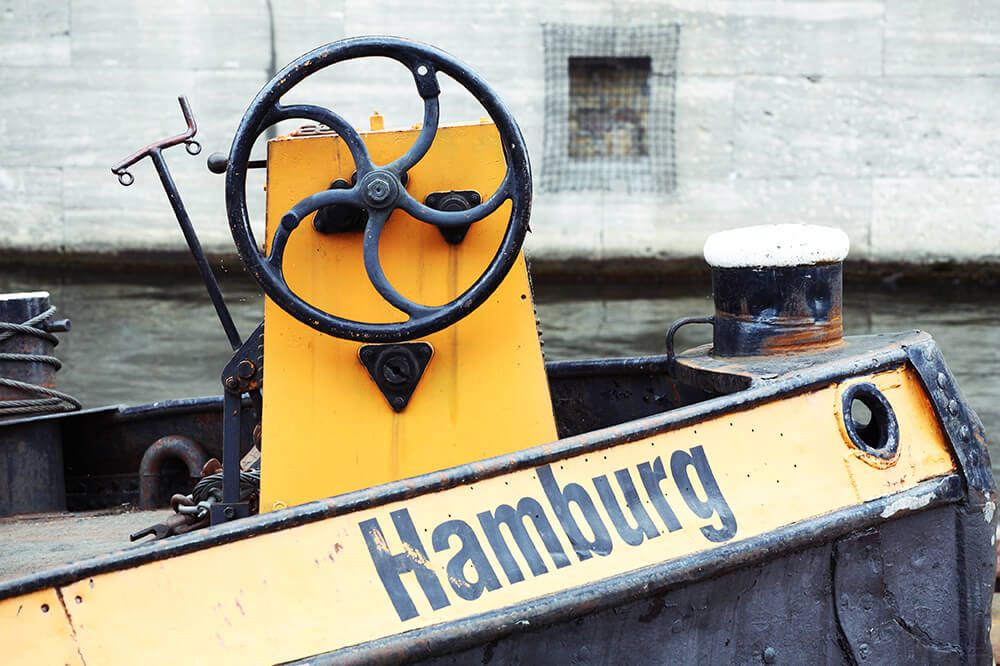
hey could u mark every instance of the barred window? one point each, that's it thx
(609, 102)
(608, 107)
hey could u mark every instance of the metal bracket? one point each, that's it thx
(244, 373)
(396, 369)
(340, 218)
(454, 200)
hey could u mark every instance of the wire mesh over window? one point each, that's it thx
(608, 107)
(609, 121)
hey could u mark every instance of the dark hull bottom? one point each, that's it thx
(891, 594)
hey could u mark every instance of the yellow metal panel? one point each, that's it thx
(326, 427)
(35, 629)
(315, 587)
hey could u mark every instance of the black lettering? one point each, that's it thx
(470, 553)
(391, 567)
(644, 527)
(715, 503)
(652, 477)
(527, 508)
(560, 500)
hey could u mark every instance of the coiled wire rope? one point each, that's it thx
(48, 399)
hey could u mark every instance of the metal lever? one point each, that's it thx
(155, 152)
(219, 162)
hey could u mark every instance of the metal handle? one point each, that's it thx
(677, 325)
(186, 137)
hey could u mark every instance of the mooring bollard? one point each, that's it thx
(31, 459)
(777, 288)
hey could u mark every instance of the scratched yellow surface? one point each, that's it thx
(327, 429)
(313, 588)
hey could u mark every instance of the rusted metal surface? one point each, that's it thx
(178, 523)
(178, 447)
(872, 353)
(961, 500)
(776, 310)
(104, 448)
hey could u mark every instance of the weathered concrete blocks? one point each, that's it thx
(788, 38)
(877, 116)
(302, 25)
(663, 227)
(31, 207)
(703, 128)
(794, 127)
(566, 226)
(34, 33)
(88, 117)
(184, 34)
(959, 37)
(936, 219)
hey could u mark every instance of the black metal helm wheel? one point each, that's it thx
(379, 189)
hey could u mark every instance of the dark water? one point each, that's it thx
(137, 340)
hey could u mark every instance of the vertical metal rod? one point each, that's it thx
(207, 276)
(231, 447)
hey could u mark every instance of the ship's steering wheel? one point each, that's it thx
(378, 189)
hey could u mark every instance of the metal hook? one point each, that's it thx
(186, 137)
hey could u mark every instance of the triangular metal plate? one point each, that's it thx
(396, 369)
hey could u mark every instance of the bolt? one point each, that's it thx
(229, 512)
(953, 407)
(770, 654)
(942, 381)
(398, 402)
(378, 190)
(397, 372)
(963, 432)
(57, 325)
(231, 383)
(246, 369)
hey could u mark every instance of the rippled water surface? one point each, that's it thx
(137, 340)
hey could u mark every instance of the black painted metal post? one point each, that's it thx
(204, 268)
(231, 507)
(231, 448)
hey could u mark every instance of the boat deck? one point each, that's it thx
(35, 542)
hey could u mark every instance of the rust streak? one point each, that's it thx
(72, 629)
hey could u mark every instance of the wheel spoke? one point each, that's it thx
(441, 218)
(373, 266)
(424, 140)
(314, 202)
(319, 114)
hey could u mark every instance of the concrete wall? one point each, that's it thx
(876, 116)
